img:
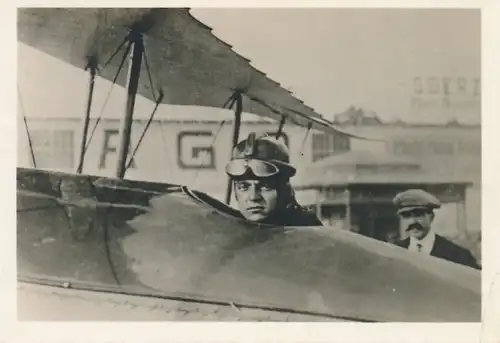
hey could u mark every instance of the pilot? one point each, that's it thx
(415, 208)
(260, 170)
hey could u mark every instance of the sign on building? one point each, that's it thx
(110, 146)
(195, 150)
(446, 93)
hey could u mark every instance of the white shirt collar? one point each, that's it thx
(427, 243)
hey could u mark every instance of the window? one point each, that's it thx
(53, 149)
(324, 145)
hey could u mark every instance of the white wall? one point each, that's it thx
(158, 158)
(165, 153)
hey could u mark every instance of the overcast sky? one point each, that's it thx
(330, 58)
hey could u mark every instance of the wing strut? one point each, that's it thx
(236, 98)
(135, 40)
(92, 68)
(30, 142)
(279, 133)
(120, 67)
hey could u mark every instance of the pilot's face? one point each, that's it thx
(257, 199)
(416, 222)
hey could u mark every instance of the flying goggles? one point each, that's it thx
(259, 168)
(261, 156)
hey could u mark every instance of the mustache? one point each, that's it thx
(414, 226)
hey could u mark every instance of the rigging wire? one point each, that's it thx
(125, 40)
(92, 68)
(302, 146)
(211, 146)
(230, 101)
(165, 146)
(227, 105)
(30, 142)
(120, 67)
(158, 101)
(163, 138)
(149, 74)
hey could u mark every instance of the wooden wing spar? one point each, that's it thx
(183, 59)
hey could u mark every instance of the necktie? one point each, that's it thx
(419, 247)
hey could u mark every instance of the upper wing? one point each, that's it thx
(185, 60)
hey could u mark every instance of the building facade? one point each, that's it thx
(194, 151)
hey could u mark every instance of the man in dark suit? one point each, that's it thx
(416, 210)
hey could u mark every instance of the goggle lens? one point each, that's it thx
(239, 167)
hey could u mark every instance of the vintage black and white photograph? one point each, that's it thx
(249, 164)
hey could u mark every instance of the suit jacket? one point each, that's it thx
(445, 249)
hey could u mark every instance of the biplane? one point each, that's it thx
(92, 247)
